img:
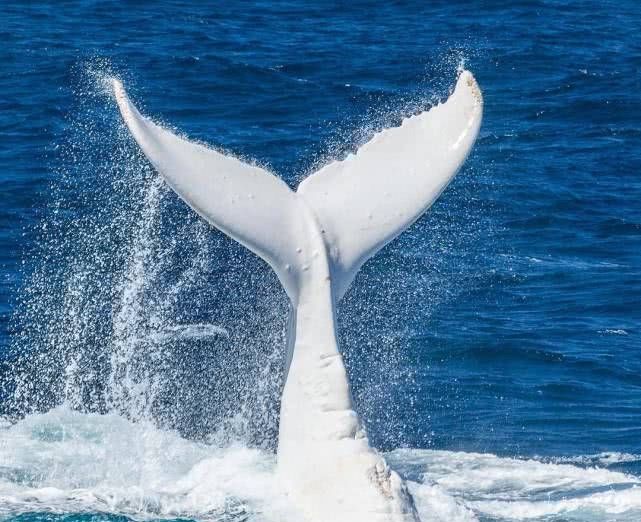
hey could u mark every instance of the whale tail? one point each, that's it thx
(316, 239)
(359, 204)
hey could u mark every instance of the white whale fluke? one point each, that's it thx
(316, 239)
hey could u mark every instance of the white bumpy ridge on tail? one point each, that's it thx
(316, 239)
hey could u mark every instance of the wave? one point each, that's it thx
(64, 461)
(605, 458)
(69, 462)
(498, 488)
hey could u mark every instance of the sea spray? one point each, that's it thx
(122, 265)
(125, 272)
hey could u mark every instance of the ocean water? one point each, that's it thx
(494, 349)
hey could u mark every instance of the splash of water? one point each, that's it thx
(69, 462)
(119, 309)
(159, 386)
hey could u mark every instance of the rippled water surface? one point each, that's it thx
(497, 343)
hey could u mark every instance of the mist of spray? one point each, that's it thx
(134, 305)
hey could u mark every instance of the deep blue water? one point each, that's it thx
(507, 320)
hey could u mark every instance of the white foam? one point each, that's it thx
(435, 505)
(612, 331)
(606, 458)
(65, 461)
(608, 505)
(520, 489)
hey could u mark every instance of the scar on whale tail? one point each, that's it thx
(316, 238)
